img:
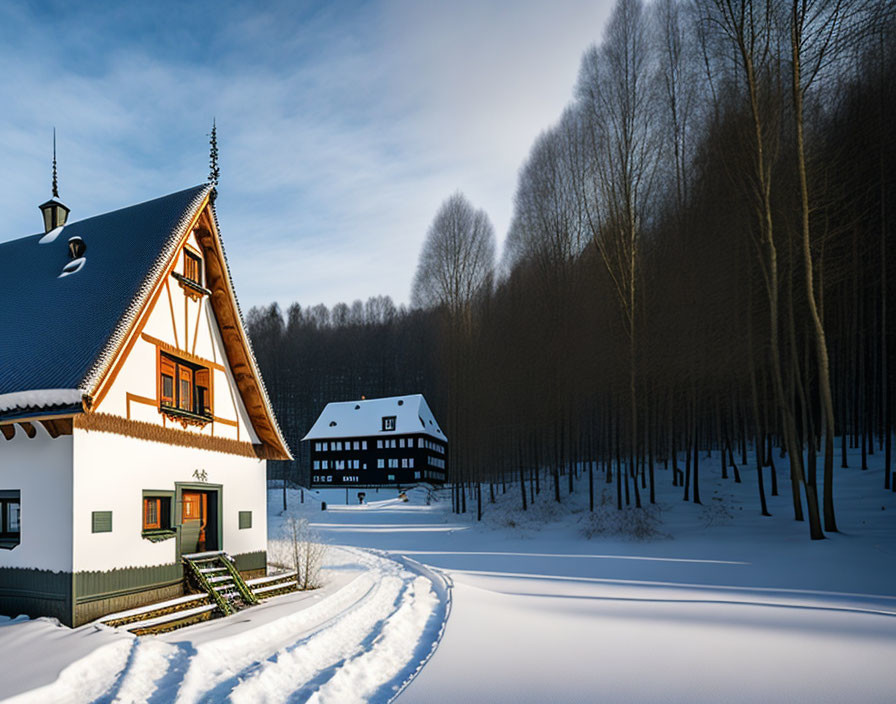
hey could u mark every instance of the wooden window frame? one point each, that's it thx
(192, 398)
(163, 500)
(154, 502)
(193, 267)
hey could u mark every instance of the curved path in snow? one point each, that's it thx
(363, 642)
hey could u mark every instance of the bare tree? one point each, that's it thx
(616, 93)
(748, 27)
(457, 261)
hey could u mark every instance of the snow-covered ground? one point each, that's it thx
(719, 604)
(359, 638)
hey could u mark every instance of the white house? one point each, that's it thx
(131, 409)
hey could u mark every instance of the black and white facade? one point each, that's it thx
(377, 442)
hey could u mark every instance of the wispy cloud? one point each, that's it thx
(342, 126)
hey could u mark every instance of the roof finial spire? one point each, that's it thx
(214, 171)
(55, 179)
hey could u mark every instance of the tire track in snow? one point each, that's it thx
(369, 654)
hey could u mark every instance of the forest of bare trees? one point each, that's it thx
(697, 268)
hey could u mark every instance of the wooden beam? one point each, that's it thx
(29, 429)
(8, 430)
(235, 345)
(50, 427)
(182, 354)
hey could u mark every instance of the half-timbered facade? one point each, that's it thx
(135, 424)
(392, 441)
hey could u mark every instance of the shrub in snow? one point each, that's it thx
(634, 523)
(299, 549)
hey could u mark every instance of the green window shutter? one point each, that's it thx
(102, 522)
(245, 519)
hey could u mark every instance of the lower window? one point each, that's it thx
(157, 512)
(10, 518)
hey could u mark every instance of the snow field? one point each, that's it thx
(714, 603)
(360, 639)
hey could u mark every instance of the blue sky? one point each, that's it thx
(342, 126)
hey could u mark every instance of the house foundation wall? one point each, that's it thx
(32, 592)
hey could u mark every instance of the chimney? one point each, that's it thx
(55, 212)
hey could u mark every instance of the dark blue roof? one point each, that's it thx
(54, 330)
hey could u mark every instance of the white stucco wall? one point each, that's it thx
(112, 471)
(41, 469)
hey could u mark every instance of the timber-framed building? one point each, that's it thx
(393, 441)
(135, 424)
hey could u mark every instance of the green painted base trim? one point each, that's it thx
(84, 596)
(251, 561)
(36, 593)
(90, 586)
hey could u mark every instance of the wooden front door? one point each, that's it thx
(195, 507)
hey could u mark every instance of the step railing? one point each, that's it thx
(216, 574)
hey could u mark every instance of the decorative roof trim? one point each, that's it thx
(246, 342)
(107, 423)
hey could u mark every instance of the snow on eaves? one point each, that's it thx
(40, 398)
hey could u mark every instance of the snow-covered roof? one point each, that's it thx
(40, 398)
(60, 332)
(349, 419)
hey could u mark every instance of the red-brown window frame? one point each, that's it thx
(196, 376)
(147, 502)
(193, 267)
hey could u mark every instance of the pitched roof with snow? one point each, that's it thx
(349, 419)
(54, 330)
(60, 331)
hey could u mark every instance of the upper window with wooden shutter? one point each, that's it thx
(185, 392)
(202, 398)
(167, 374)
(193, 267)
